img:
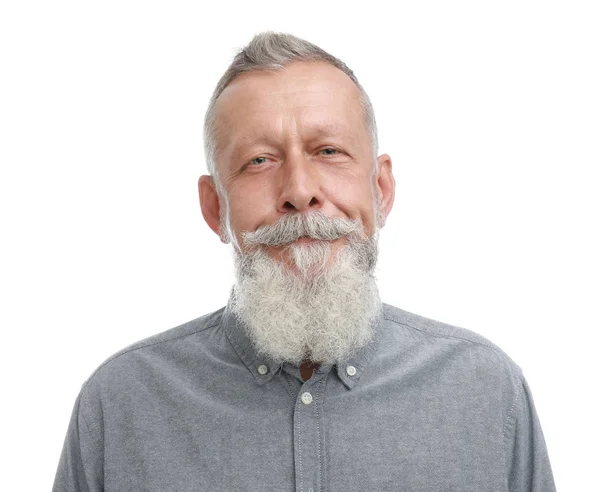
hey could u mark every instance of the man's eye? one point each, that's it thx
(330, 151)
(257, 160)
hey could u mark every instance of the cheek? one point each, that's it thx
(354, 197)
(248, 208)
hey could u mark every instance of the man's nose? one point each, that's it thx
(300, 185)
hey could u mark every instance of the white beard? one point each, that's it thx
(323, 312)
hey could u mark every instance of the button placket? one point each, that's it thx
(308, 426)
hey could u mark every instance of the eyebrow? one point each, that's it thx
(317, 131)
(332, 130)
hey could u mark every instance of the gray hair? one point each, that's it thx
(273, 51)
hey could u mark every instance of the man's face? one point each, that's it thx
(294, 141)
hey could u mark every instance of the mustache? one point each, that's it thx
(291, 227)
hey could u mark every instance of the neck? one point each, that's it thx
(307, 368)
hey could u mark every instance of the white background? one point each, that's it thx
(489, 110)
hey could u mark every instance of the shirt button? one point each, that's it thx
(351, 370)
(262, 370)
(306, 398)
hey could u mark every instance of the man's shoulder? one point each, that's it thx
(435, 328)
(162, 343)
(444, 337)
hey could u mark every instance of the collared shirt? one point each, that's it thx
(425, 407)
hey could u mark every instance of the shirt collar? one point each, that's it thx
(261, 368)
(264, 369)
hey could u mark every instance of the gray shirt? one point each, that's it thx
(425, 407)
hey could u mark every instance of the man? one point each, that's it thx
(305, 381)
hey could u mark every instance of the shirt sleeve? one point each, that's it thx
(527, 461)
(81, 461)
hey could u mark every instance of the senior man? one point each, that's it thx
(305, 381)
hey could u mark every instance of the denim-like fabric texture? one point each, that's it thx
(428, 407)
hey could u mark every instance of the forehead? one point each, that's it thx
(315, 97)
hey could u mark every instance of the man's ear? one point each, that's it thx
(210, 205)
(386, 184)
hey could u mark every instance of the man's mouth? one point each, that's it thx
(305, 240)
